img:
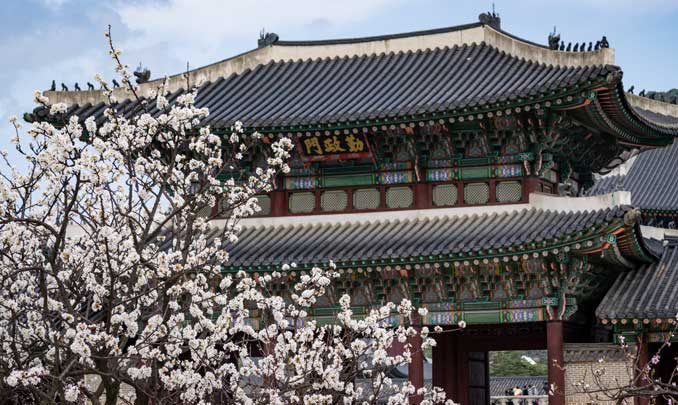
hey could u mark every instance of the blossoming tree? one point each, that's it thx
(641, 379)
(110, 278)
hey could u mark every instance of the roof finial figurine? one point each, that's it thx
(143, 74)
(642, 93)
(491, 18)
(597, 45)
(569, 47)
(590, 48)
(267, 38)
(115, 84)
(77, 87)
(576, 47)
(63, 87)
(554, 38)
(582, 47)
(53, 87)
(604, 43)
(630, 90)
(90, 86)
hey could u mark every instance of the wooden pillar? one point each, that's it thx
(556, 370)
(531, 184)
(422, 196)
(641, 363)
(415, 370)
(278, 203)
(444, 368)
(462, 375)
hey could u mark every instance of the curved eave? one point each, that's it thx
(612, 113)
(608, 232)
(564, 97)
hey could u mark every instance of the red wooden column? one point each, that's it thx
(531, 184)
(422, 196)
(444, 368)
(415, 370)
(556, 371)
(643, 359)
(278, 203)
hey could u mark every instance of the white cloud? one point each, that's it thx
(54, 4)
(209, 22)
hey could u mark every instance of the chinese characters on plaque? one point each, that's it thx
(334, 147)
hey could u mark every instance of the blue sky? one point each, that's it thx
(41, 40)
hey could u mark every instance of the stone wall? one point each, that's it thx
(583, 360)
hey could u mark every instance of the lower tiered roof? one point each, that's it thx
(435, 237)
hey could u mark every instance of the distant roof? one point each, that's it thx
(349, 243)
(499, 385)
(646, 293)
(592, 352)
(652, 180)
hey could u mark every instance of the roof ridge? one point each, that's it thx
(345, 41)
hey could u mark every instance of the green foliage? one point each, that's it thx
(511, 364)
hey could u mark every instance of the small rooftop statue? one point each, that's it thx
(492, 19)
(554, 39)
(142, 74)
(267, 38)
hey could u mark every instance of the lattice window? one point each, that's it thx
(509, 191)
(445, 195)
(366, 199)
(333, 200)
(301, 202)
(264, 202)
(476, 193)
(399, 197)
(205, 212)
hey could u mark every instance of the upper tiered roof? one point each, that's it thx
(465, 72)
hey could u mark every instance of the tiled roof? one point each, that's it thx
(652, 180)
(648, 292)
(665, 120)
(347, 89)
(499, 385)
(592, 352)
(403, 238)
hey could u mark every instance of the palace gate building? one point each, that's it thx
(459, 167)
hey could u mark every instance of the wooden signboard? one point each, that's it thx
(334, 147)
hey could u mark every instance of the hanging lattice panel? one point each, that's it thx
(301, 202)
(366, 199)
(399, 197)
(509, 191)
(445, 195)
(205, 212)
(264, 202)
(476, 193)
(333, 200)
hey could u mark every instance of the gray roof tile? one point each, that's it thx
(320, 91)
(652, 180)
(319, 243)
(648, 292)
